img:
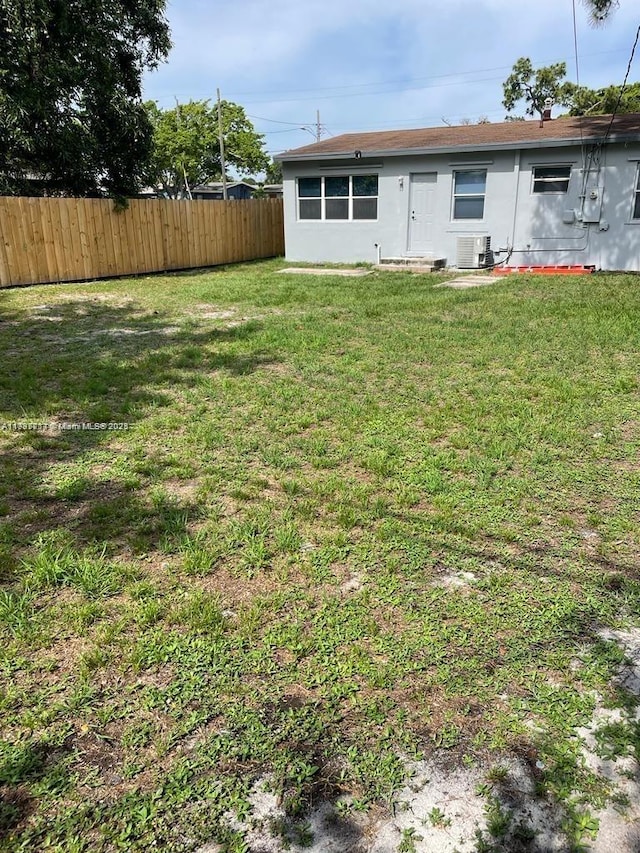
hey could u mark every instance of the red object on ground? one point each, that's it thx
(560, 269)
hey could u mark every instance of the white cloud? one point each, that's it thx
(261, 53)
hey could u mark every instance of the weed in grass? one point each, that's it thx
(111, 632)
(255, 555)
(292, 488)
(20, 761)
(72, 488)
(82, 696)
(8, 562)
(84, 614)
(106, 714)
(93, 659)
(149, 612)
(130, 769)
(95, 576)
(302, 834)
(201, 553)
(287, 538)
(197, 561)
(438, 818)
(620, 738)
(447, 737)
(581, 827)
(409, 841)
(523, 833)
(16, 610)
(200, 612)
(56, 564)
(497, 773)
(138, 735)
(498, 818)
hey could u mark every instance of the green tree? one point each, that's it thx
(273, 173)
(187, 150)
(534, 86)
(71, 111)
(585, 101)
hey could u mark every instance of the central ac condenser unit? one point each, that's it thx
(473, 252)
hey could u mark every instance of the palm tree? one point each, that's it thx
(600, 10)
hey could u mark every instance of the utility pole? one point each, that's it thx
(318, 127)
(223, 165)
(184, 171)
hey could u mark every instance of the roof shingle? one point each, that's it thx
(508, 133)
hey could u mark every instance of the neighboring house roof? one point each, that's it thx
(216, 186)
(472, 137)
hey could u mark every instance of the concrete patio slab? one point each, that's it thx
(324, 271)
(465, 281)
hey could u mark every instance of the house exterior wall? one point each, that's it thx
(531, 224)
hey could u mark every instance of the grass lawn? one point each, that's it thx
(353, 523)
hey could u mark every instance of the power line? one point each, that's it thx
(575, 47)
(272, 132)
(376, 92)
(575, 43)
(275, 120)
(375, 82)
(624, 85)
(314, 93)
(408, 80)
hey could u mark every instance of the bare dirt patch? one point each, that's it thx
(464, 282)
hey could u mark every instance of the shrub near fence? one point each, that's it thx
(72, 239)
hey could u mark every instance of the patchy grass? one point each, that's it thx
(350, 523)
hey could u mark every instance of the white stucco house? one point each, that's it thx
(562, 191)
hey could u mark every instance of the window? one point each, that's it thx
(365, 196)
(309, 193)
(636, 200)
(551, 179)
(346, 197)
(469, 188)
(336, 191)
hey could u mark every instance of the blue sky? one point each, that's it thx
(375, 64)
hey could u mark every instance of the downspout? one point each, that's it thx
(516, 170)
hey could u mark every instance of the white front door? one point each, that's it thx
(421, 203)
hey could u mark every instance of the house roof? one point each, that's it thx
(216, 186)
(472, 137)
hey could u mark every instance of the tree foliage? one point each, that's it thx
(600, 10)
(585, 101)
(534, 86)
(71, 111)
(187, 150)
(273, 173)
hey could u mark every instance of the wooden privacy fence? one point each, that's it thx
(72, 239)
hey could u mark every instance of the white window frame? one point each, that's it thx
(635, 202)
(349, 198)
(535, 180)
(455, 195)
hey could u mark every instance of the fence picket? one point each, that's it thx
(67, 239)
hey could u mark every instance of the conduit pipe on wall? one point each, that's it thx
(516, 169)
(529, 251)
